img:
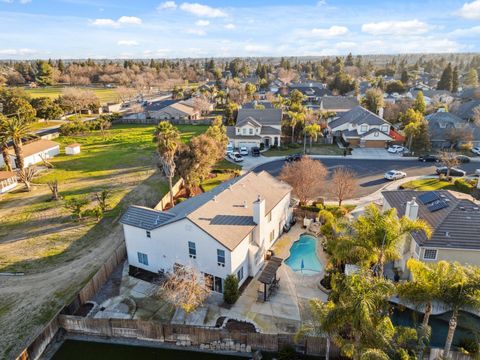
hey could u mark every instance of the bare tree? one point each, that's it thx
(344, 184)
(125, 93)
(306, 177)
(457, 135)
(201, 104)
(102, 199)
(449, 160)
(53, 186)
(75, 99)
(476, 115)
(286, 76)
(26, 176)
(185, 288)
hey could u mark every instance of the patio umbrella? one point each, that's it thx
(302, 266)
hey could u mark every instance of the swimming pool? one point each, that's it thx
(304, 250)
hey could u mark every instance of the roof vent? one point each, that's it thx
(447, 234)
(475, 208)
(245, 204)
(157, 220)
(215, 198)
(462, 208)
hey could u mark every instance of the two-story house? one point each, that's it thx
(224, 231)
(361, 127)
(455, 224)
(256, 126)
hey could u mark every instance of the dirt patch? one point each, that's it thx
(242, 326)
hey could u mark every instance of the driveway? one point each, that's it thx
(373, 153)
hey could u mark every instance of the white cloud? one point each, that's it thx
(202, 10)
(199, 32)
(470, 32)
(16, 52)
(123, 20)
(330, 32)
(256, 48)
(409, 27)
(167, 5)
(321, 2)
(130, 20)
(202, 23)
(19, 1)
(470, 10)
(127, 43)
(229, 26)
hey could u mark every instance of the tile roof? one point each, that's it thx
(264, 117)
(253, 104)
(338, 102)
(35, 147)
(456, 226)
(269, 130)
(465, 110)
(249, 120)
(358, 115)
(219, 212)
(440, 123)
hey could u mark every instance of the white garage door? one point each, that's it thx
(247, 144)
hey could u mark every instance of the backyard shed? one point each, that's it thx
(72, 149)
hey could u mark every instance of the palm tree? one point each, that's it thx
(422, 290)
(459, 289)
(377, 235)
(312, 131)
(17, 128)
(4, 138)
(356, 315)
(167, 138)
(294, 119)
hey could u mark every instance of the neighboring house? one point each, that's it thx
(8, 181)
(254, 104)
(313, 92)
(254, 127)
(470, 93)
(34, 152)
(455, 224)
(441, 123)
(276, 85)
(434, 96)
(466, 110)
(360, 127)
(178, 110)
(227, 230)
(338, 104)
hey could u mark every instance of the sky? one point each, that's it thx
(41, 29)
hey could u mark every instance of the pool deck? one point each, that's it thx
(287, 308)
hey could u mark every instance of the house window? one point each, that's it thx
(192, 250)
(430, 254)
(363, 128)
(376, 133)
(385, 129)
(269, 216)
(240, 274)
(148, 234)
(272, 235)
(250, 131)
(221, 257)
(244, 131)
(142, 258)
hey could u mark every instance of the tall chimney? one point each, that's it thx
(411, 211)
(258, 210)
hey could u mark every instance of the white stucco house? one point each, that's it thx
(256, 126)
(34, 152)
(224, 231)
(361, 127)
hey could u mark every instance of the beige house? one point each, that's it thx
(360, 127)
(255, 127)
(455, 223)
(181, 110)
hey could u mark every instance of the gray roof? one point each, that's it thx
(252, 104)
(358, 115)
(432, 93)
(456, 226)
(264, 117)
(249, 120)
(470, 93)
(440, 123)
(269, 130)
(149, 219)
(338, 102)
(159, 105)
(465, 110)
(314, 89)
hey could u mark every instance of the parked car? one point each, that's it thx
(463, 159)
(428, 158)
(231, 155)
(255, 151)
(453, 171)
(477, 172)
(476, 150)
(395, 149)
(293, 157)
(237, 157)
(229, 149)
(394, 175)
(243, 151)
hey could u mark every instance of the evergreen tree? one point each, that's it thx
(446, 79)
(404, 78)
(455, 80)
(471, 79)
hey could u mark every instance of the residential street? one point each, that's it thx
(370, 172)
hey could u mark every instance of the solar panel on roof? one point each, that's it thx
(428, 197)
(437, 205)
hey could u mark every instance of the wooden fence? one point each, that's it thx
(166, 199)
(195, 335)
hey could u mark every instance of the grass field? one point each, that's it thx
(434, 184)
(316, 150)
(105, 95)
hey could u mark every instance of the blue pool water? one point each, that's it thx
(304, 249)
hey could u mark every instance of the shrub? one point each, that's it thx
(463, 185)
(230, 291)
(294, 146)
(470, 345)
(466, 146)
(74, 127)
(287, 352)
(262, 146)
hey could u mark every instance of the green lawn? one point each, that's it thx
(429, 185)
(104, 94)
(209, 184)
(316, 150)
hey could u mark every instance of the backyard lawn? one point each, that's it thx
(316, 150)
(432, 184)
(105, 95)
